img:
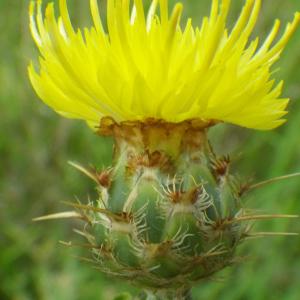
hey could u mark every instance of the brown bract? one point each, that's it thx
(157, 135)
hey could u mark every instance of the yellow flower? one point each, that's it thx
(148, 66)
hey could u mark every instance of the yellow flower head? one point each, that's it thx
(148, 66)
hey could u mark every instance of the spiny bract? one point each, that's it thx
(150, 67)
(169, 213)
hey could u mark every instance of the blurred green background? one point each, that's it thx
(35, 145)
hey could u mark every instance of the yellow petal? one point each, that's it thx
(149, 67)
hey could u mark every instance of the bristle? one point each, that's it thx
(62, 215)
(272, 180)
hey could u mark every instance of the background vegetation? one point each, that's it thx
(35, 145)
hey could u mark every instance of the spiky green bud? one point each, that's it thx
(168, 209)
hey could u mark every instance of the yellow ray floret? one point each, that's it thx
(148, 66)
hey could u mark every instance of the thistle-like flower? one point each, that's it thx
(169, 212)
(151, 67)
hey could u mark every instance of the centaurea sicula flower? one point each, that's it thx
(148, 66)
(169, 212)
